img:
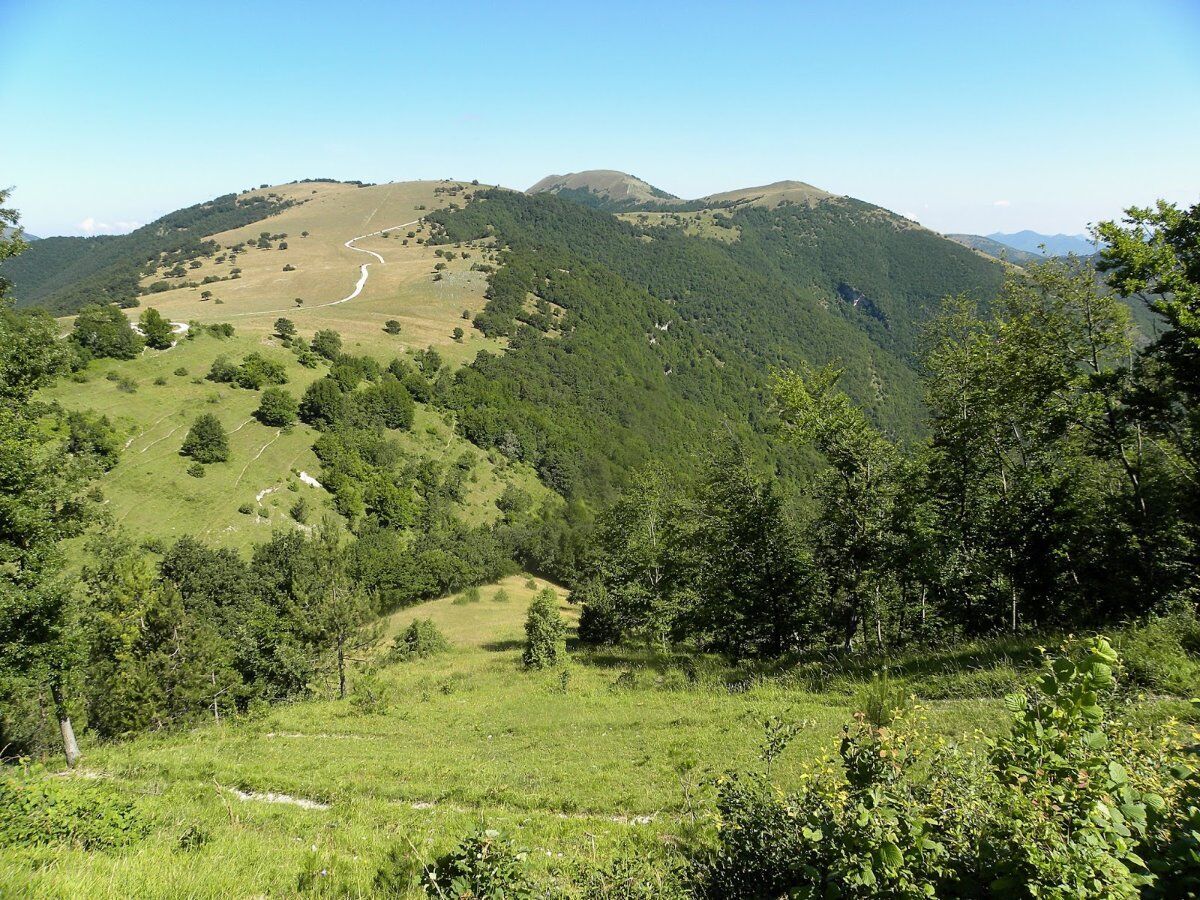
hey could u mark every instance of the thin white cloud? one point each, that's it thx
(1001, 203)
(91, 226)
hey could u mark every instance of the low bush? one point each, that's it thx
(422, 638)
(42, 811)
(1071, 803)
(485, 866)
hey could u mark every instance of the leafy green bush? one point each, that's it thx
(544, 631)
(1070, 804)
(277, 408)
(422, 638)
(485, 866)
(51, 811)
(470, 595)
(206, 440)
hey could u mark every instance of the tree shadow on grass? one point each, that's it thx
(501, 646)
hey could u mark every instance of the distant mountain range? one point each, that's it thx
(1054, 244)
(5, 231)
(996, 249)
(612, 191)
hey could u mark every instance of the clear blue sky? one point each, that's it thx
(966, 116)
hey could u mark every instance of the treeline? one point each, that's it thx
(63, 274)
(1057, 487)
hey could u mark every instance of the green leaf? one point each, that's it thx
(890, 856)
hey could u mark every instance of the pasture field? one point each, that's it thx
(149, 492)
(325, 271)
(578, 765)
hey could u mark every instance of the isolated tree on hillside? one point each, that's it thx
(41, 504)
(285, 328)
(457, 334)
(277, 408)
(392, 326)
(206, 440)
(544, 632)
(156, 329)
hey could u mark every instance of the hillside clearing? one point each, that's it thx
(574, 763)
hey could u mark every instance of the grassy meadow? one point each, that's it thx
(579, 764)
(149, 492)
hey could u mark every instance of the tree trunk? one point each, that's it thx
(70, 747)
(341, 659)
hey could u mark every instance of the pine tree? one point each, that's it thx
(544, 632)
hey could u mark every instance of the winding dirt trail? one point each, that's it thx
(364, 274)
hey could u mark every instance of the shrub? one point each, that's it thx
(327, 343)
(882, 700)
(104, 331)
(181, 372)
(599, 620)
(160, 380)
(299, 510)
(256, 371)
(392, 326)
(222, 370)
(370, 695)
(156, 330)
(1068, 804)
(196, 470)
(485, 866)
(422, 638)
(45, 811)
(246, 508)
(544, 631)
(501, 596)
(323, 404)
(206, 440)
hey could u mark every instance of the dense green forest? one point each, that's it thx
(658, 337)
(63, 274)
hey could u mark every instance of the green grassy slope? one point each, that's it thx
(575, 769)
(149, 491)
(610, 756)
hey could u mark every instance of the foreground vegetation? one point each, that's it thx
(606, 770)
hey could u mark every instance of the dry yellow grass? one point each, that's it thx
(326, 271)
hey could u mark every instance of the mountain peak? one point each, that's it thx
(604, 189)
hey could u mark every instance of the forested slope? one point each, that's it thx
(629, 341)
(63, 274)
